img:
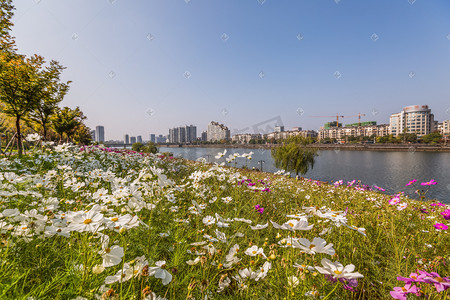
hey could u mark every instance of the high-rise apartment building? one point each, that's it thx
(132, 139)
(184, 134)
(99, 134)
(152, 138)
(139, 139)
(126, 139)
(217, 132)
(204, 136)
(416, 119)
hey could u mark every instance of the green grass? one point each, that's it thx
(58, 267)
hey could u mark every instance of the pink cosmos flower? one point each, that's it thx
(437, 204)
(441, 226)
(411, 182)
(431, 182)
(441, 284)
(394, 201)
(446, 214)
(413, 277)
(401, 292)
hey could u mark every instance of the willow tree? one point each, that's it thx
(294, 156)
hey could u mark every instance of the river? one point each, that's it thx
(389, 170)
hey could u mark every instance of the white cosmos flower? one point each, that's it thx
(254, 251)
(293, 281)
(337, 270)
(259, 226)
(209, 220)
(160, 272)
(111, 256)
(86, 221)
(243, 220)
(248, 273)
(263, 270)
(193, 262)
(293, 225)
(318, 245)
(221, 236)
(220, 154)
(33, 137)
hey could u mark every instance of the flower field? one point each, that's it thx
(92, 223)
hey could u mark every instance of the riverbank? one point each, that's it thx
(344, 147)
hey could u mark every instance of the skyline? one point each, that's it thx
(145, 67)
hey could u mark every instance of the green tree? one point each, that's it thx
(51, 95)
(20, 87)
(432, 138)
(66, 122)
(294, 156)
(6, 14)
(150, 147)
(137, 147)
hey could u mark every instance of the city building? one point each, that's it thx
(126, 139)
(445, 131)
(296, 129)
(217, 132)
(287, 134)
(279, 128)
(184, 134)
(245, 138)
(416, 119)
(340, 133)
(132, 140)
(99, 134)
(204, 136)
(139, 139)
(161, 139)
(152, 138)
(93, 135)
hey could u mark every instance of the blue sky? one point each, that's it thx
(142, 67)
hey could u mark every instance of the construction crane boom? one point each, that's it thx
(359, 115)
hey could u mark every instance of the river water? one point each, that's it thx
(389, 170)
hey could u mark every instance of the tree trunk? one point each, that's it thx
(19, 136)
(45, 131)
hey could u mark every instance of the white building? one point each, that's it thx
(445, 128)
(217, 132)
(416, 119)
(340, 133)
(245, 138)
